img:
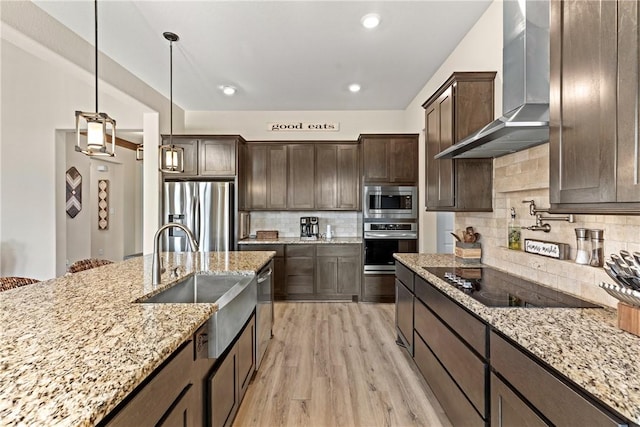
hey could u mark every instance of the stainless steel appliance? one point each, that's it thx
(264, 311)
(382, 240)
(496, 288)
(390, 202)
(206, 208)
(309, 228)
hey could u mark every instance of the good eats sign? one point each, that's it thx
(303, 126)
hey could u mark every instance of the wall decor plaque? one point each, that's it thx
(321, 126)
(73, 192)
(103, 204)
(548, 249)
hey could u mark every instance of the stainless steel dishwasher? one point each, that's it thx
(264, 311)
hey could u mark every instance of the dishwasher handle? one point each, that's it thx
(264, 276)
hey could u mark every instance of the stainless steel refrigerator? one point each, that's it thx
(206, 208)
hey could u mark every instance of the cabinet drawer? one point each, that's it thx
(300, 250)
(472, 330)
(338, 250)
(279, 249)
(299, 267)
(468, 371)
(454, 403)
(404, 275)
(537, 384)
(151, 402)
(507, 409)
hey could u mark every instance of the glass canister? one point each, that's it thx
(582, 243)
(597, 247)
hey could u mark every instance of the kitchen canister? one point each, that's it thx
(582, 243)
(329, 235)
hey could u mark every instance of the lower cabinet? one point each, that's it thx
(553, 398)
(507, 409)
(338, 270)
(230, 378)
(316, 271)
(167, 398)
(378, 288)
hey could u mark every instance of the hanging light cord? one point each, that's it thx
(96, 48)
(171, 92)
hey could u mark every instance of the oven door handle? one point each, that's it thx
(373, 235)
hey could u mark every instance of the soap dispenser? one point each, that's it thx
(514, 232)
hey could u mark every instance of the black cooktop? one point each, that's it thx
(495, 288)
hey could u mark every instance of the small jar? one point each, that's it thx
(597, 248)
(582, 250)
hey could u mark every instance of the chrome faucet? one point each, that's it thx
(157, 269)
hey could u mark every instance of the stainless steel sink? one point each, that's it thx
(235, 295)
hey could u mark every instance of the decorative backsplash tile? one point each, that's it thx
(343, 224)
(525, 176)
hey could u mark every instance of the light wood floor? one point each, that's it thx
(337, 364)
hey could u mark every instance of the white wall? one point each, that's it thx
(41, 89)
(252, 125)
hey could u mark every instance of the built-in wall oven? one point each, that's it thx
(382, 240)
(390, 202)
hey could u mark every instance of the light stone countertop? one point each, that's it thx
(72, 348)
(297, 240)
(584, 345)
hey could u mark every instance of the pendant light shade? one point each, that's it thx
(95, 124)
(171, 157)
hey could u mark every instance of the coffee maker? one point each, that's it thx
(309, 228)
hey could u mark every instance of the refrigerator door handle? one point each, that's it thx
(196, 216)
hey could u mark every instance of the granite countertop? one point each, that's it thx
(73, 347)
(297, 240)
(585, 345)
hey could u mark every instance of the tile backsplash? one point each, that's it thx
(343, 224)
(525, 176)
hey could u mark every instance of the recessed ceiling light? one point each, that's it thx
(228, 90)
(370, 20)
(354, 87)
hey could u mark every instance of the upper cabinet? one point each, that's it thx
(337, 184)
(594, 150)
(390, 159)
(302, 176)
(207, 155)
(462, 105)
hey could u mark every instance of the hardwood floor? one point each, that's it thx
(337, 364)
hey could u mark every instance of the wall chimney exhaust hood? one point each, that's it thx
(525, 94)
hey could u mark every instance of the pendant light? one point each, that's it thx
(96, 129)
(171, 157)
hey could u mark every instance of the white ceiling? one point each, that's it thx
(281, 55)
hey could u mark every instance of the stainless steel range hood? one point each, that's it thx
(525, 95)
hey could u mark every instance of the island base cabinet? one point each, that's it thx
(231, 377)
(507, 409)
(166, 400)
(453, 401)
(537, 384)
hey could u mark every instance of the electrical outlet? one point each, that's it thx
(100, 251)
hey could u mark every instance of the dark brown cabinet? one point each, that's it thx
(302, 176)
(300, 270)
(338, 270)
(207, 155)
(167, 397)
(231, 376)
(217, 157)
(507, 409)
(462, 105)
(390, 158)
(266, 186)
(594, 120)
(301, 181)
(536, 383)
(337, 184)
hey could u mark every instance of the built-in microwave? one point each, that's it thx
(390, 202)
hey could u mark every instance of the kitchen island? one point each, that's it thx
(72, 348)
(582, 345)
